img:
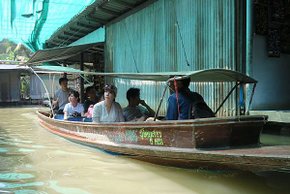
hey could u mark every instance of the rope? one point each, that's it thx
(176, 93)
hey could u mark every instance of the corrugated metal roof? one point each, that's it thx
(70, 54)
(93, 17)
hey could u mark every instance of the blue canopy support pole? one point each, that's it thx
(220, 106)
(242, 98)
(251, 98)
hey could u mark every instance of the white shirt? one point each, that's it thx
(62, 97)
(72, 109)
(101, 115)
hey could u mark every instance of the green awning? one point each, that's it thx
(56, 69)
(62, 53)
(209, 75)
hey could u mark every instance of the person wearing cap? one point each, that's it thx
(61, 95)
(137, 109)
(185, 104)
(108, 110)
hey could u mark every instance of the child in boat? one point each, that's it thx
(73, 110)
(108, 110)
(134, 111)
(185, 104)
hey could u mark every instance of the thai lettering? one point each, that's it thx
(158, 141)
(153, 137)
(150, 134)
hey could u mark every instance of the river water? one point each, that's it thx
(32, 160)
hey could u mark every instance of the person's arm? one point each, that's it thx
(55, 100)
(150, 110)
(65, 111)
(96, 113)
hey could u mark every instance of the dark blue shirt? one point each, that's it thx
(184, 107)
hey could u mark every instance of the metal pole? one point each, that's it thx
(226, 98)
(251, 98)
(162, 97)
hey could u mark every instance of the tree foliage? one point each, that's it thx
(14, 52)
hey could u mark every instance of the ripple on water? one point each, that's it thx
(28, 192)
(3, 150)
(15, 176)
(25, 150)
(4, 191)
(10, 181)
(17, 185)
(62, 189)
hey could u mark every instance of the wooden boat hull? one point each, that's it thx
(205, 143)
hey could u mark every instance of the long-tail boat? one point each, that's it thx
(208, 143)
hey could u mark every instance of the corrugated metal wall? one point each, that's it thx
(175, 35)
(37, 90)
(9, 86)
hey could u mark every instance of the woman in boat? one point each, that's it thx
(73, 110)
(108, 110)
(134, 111)
(185, 104)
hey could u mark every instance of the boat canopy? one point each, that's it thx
(208, 75)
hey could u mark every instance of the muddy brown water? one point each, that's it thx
(32, 160)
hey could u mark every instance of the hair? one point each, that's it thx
(132, 92)
(62, 79)
(110, 88)
(185, 85)
(186, 82)
(76, 94)
(89, 88)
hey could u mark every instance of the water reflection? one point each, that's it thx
(32, 160)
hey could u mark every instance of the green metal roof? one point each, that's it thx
(96, 15)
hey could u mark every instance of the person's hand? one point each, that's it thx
(76, 114)
(143, 103)
(143, 118)
(55, 102)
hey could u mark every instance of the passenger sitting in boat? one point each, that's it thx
(91, 100)
(135, 112)
(108, 110)
(185, 104)
(60, 98)
(73, 110)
